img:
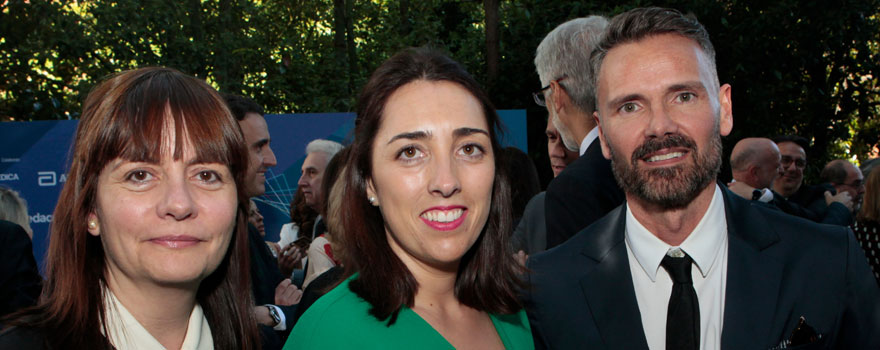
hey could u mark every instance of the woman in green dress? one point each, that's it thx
(426, 220)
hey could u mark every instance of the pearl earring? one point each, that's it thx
(93, 225)
(372, 200)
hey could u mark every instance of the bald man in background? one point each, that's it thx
(755, 162)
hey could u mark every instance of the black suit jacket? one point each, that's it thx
(834, 214)
(780, 268)
(584, 192)
(265, 276)
(20, 280)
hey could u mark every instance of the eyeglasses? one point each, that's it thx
(539, 95)
(800, 163)
(855, 184)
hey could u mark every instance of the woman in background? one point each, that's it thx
(427, 220)
(867, 225)
(148, 247)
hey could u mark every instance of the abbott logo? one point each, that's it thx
(46, 178)
(9, 177)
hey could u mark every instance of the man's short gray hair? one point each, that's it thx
(14, 208)
(565, 52)
(641, 23)
(328, 147)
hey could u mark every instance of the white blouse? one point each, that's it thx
(127, 333)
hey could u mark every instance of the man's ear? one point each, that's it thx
(726, 110)
(559, 97)
(753, 172)
(606, 152)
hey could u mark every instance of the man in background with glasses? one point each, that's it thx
(586, 190)
(817, 203)
(845, 177)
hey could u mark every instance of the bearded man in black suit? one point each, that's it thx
(684, 263)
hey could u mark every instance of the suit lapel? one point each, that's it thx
(753, 276)
(608, 287)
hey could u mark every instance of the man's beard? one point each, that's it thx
(564, 133)
(670, 187)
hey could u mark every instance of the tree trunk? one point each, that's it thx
(349, 44)
(339, 51)
(490, 7)
(197, 32)
(405, 27)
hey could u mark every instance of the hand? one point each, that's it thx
(841, 197)
(741, 189)
(287, 293)
(289, 258)
(521, 257)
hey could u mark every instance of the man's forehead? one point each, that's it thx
(647, 58)
(316, 160)
(254, 127)
(790, 148)
(853, 172)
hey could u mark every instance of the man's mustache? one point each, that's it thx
(652, 145)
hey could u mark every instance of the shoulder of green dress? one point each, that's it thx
(337, 312)
(514, 330)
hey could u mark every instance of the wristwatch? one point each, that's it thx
(275, 316)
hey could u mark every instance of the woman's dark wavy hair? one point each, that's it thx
(488, 275)
(124, 117)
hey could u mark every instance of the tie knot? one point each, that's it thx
(679, 268)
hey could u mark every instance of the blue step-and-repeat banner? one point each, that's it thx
(34, 159)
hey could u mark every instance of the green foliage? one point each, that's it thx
(796, 67)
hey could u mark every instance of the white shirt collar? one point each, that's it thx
(127, 333)
(702, 244)
(588, 140)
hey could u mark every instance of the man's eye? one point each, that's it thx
(686, 97)
(629, 107)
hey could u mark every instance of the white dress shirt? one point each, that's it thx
(707, 246)
(127, 333)
(588, 140)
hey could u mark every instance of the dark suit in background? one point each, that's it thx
(20, 280)
(779, 268)
(265, 276)
(530, 234)
(834, 214)
(584, 192)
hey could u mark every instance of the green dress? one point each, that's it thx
(341, 320)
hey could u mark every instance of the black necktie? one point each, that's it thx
(683, 316)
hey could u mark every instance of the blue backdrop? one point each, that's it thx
(34, 159)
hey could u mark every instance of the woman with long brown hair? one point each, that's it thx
(148, 245)
(426, 222)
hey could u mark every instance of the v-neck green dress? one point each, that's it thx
(341, 320)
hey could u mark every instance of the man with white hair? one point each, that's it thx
(318, 154)
(585, 191)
